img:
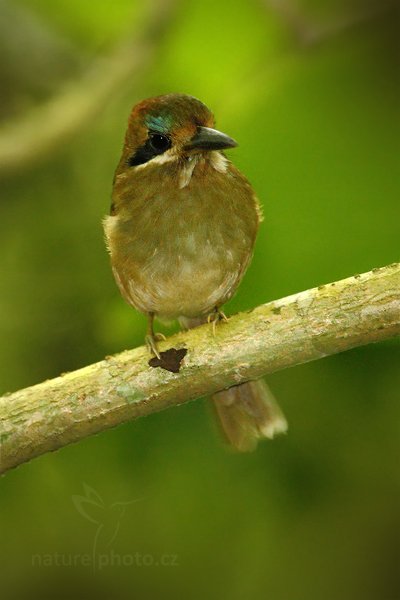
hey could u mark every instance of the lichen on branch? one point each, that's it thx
(293, 330)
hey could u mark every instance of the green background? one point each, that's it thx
(314, 514)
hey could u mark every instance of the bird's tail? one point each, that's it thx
(246, 412)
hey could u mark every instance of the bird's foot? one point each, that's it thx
(151, 340)
(216, 316)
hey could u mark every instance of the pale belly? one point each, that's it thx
(189, 276)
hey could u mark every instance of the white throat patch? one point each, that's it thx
(187, 171)
(216, 159)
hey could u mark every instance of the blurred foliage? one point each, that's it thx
(311, 515)
(90, 28)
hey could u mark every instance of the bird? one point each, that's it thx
(181, 233)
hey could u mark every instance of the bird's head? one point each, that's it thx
(170, 127)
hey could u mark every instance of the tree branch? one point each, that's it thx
(307, 32)
(290, 331)
(49, 125)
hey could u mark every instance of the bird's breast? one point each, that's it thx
(183, 250)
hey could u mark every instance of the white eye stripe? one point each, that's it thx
(160, 159)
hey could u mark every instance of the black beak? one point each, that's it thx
(210, 139)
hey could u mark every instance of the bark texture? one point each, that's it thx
(290, 331)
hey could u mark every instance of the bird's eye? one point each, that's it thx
(156, 144)
(159, 143)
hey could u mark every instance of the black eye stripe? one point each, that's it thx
(155, 144)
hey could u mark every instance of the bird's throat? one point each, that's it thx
(215, 159)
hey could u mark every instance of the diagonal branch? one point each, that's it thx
(290, 331)
(49, 125)
(307, 32)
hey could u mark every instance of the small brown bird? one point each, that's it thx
(181, 233)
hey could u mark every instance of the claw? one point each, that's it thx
(222, 316)
(151, 343)
(159, 337)
(215, 316)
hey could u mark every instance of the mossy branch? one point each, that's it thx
(287, 332)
